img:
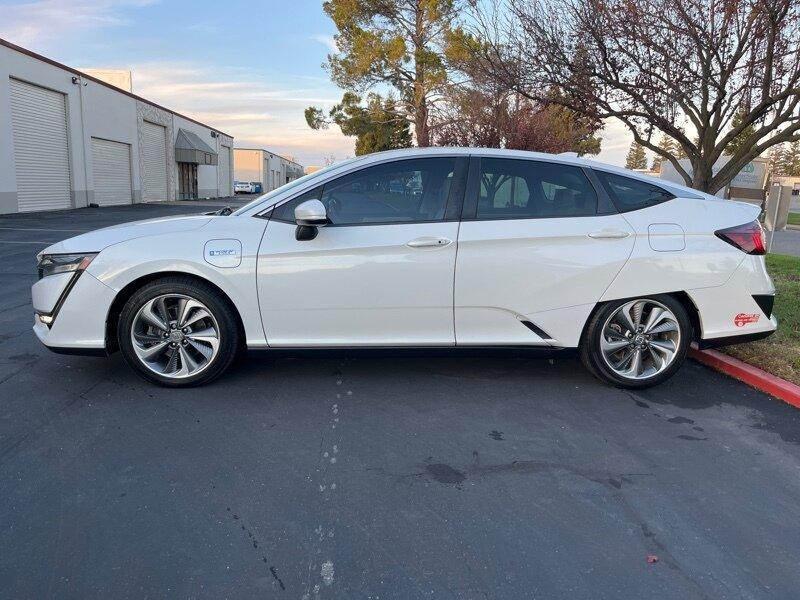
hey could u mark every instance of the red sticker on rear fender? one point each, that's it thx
(743, 319)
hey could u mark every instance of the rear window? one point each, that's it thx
(631, 194)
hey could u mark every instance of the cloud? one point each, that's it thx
(616, 142)
(326, 40)
(35, 23)
(255, 111)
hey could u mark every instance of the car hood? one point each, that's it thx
(95, 241)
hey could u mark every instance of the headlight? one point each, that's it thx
(52, 264)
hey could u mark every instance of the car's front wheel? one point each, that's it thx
(637, 343)
(178, 332)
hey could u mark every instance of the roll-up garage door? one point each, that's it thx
(225, 170)
(41, 153)
(111, 172)
(154, 151)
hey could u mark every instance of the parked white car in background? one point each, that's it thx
(418, 248)
(242, 187)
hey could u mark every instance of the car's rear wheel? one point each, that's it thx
(178, 332)
(637, 343)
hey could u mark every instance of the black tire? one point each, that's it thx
(219, 307)
(592, 356)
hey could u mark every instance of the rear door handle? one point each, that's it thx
(609, 234)
(429, 242)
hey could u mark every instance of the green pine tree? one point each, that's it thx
(669, 146)
(740, 140)
(637, 158)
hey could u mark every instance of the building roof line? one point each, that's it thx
(271, 152)
(54, 63)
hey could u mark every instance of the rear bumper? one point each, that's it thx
(738, 311)
(735, 339)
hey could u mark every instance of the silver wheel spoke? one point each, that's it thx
(185, 310)
(635, 364)
(640, 339)
(151, 351)
(664, 327)
(654, 317)
(148, 314)
(209, 336)
(187, 361)
(159, 340)
(658, 362)
(624, 316)
(664, 346)
(613, 346)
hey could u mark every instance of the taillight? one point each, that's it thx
(748, 238)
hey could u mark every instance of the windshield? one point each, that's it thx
(292, 184)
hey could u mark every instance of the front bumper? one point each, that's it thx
(76, 311)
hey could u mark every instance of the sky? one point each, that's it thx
(247, 68)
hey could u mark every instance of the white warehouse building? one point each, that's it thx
(70, 140)
(265, 167)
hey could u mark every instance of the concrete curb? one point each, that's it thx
(746, 373)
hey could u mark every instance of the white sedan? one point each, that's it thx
(243, 187)
(443, 247)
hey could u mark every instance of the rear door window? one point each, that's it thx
(526, 189)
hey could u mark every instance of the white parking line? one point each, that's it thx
(14, 242)
(41, 229)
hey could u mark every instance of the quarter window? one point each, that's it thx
(631, 194)
(524, 189)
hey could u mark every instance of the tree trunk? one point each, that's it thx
(421, 124)
(702, 174)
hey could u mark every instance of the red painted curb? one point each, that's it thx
(752, 376)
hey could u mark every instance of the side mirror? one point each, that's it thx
(309, 216)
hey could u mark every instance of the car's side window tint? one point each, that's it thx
(285, 212)
(525, 189)
(631, 194)
(415, 190)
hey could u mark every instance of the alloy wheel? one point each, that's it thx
(175, 336)
(640, 339)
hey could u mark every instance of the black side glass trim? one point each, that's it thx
(473, 190)
(455, 198)
(605, 206)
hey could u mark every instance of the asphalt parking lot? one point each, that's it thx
(379, 476)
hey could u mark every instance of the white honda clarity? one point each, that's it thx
(444, 247)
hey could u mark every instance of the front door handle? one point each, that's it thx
(429, 242)
(609, 234)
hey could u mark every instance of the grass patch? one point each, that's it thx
(779, 354)
(794, 218)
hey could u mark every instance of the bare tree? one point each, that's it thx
(705, 73)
